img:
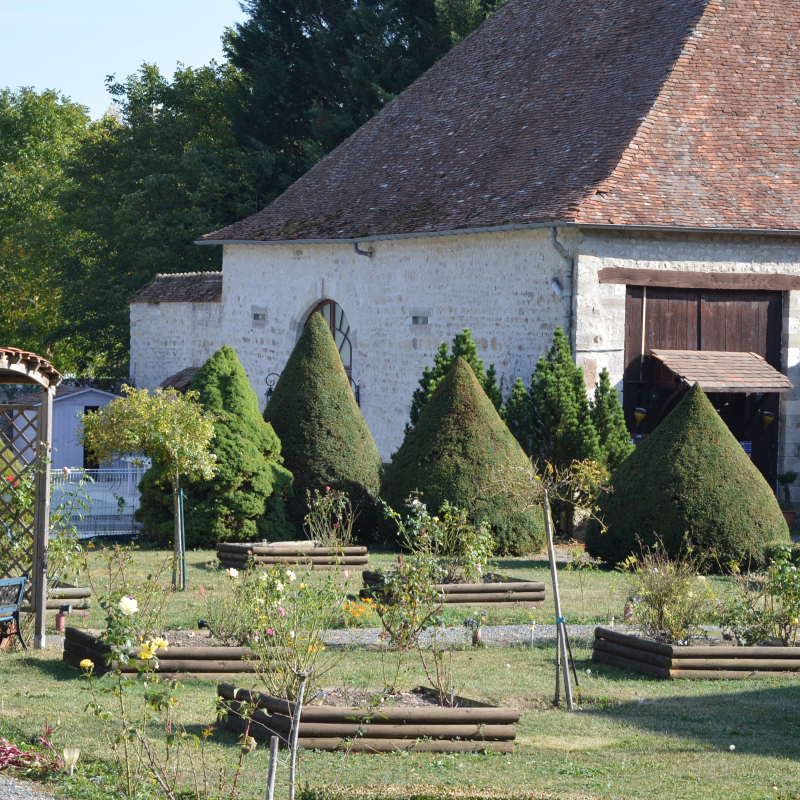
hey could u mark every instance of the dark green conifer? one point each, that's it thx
(690, 479)
(463, 347)
(458, 450)
(517, 414)
(324, 437)
(609, 422)
(244, 501)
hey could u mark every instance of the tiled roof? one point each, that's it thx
(723, 372)
(599, 111)
(182, 287)
(180, 380)
(16, 364)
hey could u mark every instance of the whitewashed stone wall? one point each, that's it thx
(168, 337)
(498, 285)
(600, 308)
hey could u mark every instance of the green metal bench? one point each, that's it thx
(11, 591)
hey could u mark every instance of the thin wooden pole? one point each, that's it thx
(273, 766)
(177, 573)
(298, 710)
(560, 624)
(41, 515)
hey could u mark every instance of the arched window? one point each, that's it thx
(334, 315)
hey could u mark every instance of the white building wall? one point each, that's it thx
(600, 308)
(168, 337)
(67, 450)
(498, 285)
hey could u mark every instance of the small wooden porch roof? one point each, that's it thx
(717, 371)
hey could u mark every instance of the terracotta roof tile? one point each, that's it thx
(182, 287)
(515, 125)
(717, 371)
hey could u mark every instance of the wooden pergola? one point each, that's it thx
(26, 443)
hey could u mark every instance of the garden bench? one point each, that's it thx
(11, 591)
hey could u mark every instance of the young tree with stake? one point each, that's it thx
(169, 428)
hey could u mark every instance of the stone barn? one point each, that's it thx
(626, 169)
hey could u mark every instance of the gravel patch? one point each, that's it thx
(22, 790)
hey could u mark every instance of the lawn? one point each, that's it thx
(631, 737)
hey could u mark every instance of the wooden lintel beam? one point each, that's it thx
(678, 279)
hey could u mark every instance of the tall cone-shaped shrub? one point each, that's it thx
(459, 447)
(690, 477)
(324, 437)
(244, 501)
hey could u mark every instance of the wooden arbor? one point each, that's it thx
(25, 446)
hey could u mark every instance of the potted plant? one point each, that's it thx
(786, 479)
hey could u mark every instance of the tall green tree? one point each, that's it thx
(517, 413)
(39, 131)
(149, 179)
(244, 500)
(609, 422)
(463, 347)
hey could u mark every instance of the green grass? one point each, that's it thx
(631, 737)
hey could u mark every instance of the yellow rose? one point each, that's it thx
(87, 663)
(159, 642)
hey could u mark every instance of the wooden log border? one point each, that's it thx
(480, 728)
(667, 662)
(527, 594)
(196, 661)
(298, 555)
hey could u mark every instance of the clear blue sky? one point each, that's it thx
(71, 45)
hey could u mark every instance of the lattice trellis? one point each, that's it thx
(18, 464)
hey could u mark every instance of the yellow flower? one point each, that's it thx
(147, 652)
(87, 663)
(159, 642)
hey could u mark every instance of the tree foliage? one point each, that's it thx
(689, 479)
(38, 133)
(609, 422)
(456, 452)
(463, 347)
(325, 441)
(244, 500)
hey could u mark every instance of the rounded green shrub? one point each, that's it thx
(324, 437)
(458, 449)
(689, 480)
(244, 501)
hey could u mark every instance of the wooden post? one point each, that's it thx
(41, 515)
(560, 624)
(178, 581)
(273, 766)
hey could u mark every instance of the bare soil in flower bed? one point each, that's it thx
(493, 590)
(717, 659)
(379, 723)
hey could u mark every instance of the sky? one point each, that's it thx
(72, 45)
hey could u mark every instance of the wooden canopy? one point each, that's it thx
(717, 371)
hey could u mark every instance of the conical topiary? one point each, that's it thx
(689, 478)
(244, 501)
(458, 449)
(324, 438)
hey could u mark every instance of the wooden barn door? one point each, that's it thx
(704, 319)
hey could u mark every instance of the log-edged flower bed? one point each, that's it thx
(78, 597)
(473, 727)
(501, 592)
(198, 662)
(666, 661)
(295, 554)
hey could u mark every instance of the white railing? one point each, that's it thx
(112, 495)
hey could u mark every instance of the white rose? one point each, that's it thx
(234, 573)
(128, 605)
(290, 575)
(279, 586)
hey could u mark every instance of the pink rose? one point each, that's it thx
(346, 574)
(270, 631)
(281, 611)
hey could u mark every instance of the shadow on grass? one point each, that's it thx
(52, 668)
(761, 721)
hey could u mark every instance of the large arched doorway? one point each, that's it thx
(337, 321)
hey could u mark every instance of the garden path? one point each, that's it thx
(22, 790)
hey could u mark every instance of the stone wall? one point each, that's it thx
(600, 308)
(168, 337)
(498, 285)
